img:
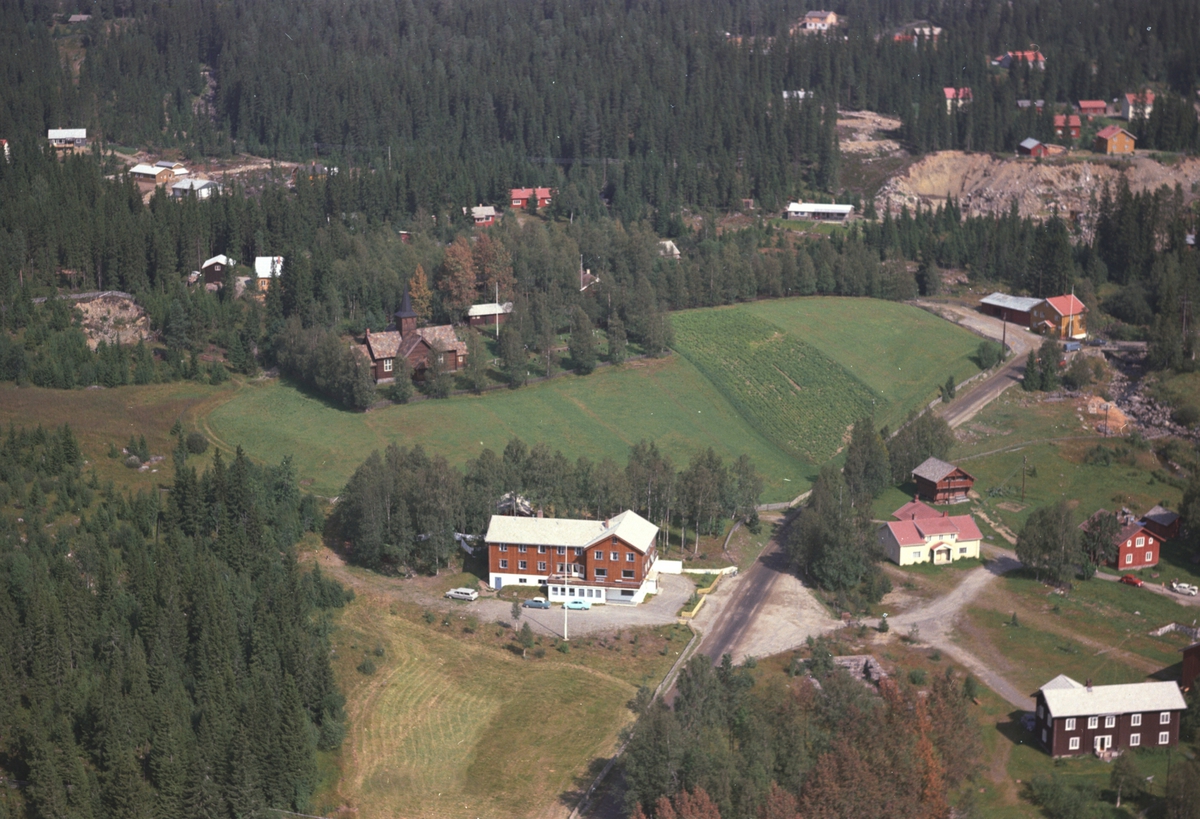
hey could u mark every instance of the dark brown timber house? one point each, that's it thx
(404, 339)
(940, 482)
(1073, 719)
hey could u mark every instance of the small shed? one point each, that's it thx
(489, 315)
(941, 482)
(214, 268)
(483, 215)
(1162, 522)
(1031, 147)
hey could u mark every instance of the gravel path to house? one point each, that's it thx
(1160, 588)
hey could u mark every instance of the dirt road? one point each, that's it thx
(935, 622)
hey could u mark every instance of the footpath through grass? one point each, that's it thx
(602, 415)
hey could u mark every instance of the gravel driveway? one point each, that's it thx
(660, 610)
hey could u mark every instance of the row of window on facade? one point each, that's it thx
(576, 569)
(562, 550)
(577, 591)
(1103, 743)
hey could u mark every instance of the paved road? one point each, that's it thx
(968, 404)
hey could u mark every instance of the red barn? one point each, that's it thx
(1031, 147)
(1162, 522)
(940, 482)
(1093, 108)
(1015, 309)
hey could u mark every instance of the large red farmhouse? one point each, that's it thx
(1137, 546)
(598, 561)
(940, 482)
(404, 339)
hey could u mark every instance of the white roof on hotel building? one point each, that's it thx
(1079, 701)
(628, 526)
(67, 133)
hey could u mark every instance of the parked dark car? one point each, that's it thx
(536, 603)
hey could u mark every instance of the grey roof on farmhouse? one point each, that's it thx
(1019, 303)
(629, 526)
(1161, 515)
(934, 469)
(1078, 701)
(1029, 143)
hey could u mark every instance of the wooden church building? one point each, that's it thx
(404, 339)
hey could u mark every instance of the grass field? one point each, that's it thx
(803, 370)
(901, 352)
(1014, 430)
(666, 401)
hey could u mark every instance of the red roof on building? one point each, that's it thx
(1062, 119)
(1111, 131)
(1066, 305)
(525, 193)
(960, 94)
(1146, 98)
(1093, 105)
(915, 509)
(915, 532)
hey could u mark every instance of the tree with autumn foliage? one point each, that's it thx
(457, 279)
(494, 269)
(419, 293)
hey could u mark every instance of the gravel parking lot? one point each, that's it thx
(659, 610)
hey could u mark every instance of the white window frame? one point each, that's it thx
(1073, 744)
(562, 550)
(541, 550)
(1164, 737)
(503, 564)
(1141, 541)
(1110, 722)
(1128, 557)
(541, 565)
(522, 549)
(615, 555)
(1164, 718)
(601, 574)
(1070, 726)
(1149, 556)
(562, 567)
(916, 554)
(599, 554)
(522, 565)
(628, 574)
(502, 548)
(578, 551)
(1093, 722)
(387, 365)
(629, 558)
(1135, 740)
(1135, 720)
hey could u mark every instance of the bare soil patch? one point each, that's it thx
(114, 320)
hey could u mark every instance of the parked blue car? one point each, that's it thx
(536, 603)
(578, 605)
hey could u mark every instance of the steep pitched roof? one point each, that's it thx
(1066, 305)
(405, 310)
(1161, 515)
(1029, 143)
(934, 469)
(918, 531)
(383, 344)
(218, 259)
(1111, 131)
(1113, 699)
(442, 338)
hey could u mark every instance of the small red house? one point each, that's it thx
(1137, 547)
(1031, 147)
(1067, 125)
(956, 98)
(940, 482)
(519, 197)
(1093, 108)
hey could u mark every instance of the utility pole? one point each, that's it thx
(566, 595)
(1003, 333)
(1024, 469)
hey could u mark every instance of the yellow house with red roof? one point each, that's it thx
(1061, 316)
(921, 534)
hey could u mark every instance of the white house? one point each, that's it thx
(267, 268)
(200, 188)
(814, 211)
(924, 535)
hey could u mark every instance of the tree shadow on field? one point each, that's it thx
(607, 800)
(312, 393)
(1014, 731)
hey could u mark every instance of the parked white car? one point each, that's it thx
(462, 593)
(1183, 588)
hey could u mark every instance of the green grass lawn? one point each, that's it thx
(1056, 470)
(602, 415)
(901, 352)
